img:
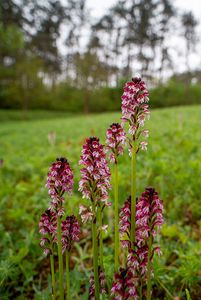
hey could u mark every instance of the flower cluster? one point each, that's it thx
(48, 229)
(115, 140)
(95, 173)
(102, 282)
(59, 181)
(70, 232)
(149, 219)
(135, 108)
(85, 213)
(149, 215)
(125, 222)
(124, 285)
(138, 260)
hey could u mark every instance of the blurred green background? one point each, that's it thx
(73, 56)
(63, 65)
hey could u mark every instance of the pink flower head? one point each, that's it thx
(135, 108)
(102, 282)
(60, 178)
(59, 181)
(48, 229)
(95, 174)
(149, 215)
(115, 140)
(70, 232)
(124, 285)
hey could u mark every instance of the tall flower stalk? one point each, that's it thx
(100, 234)
(133, 191)
(68, 275)
(60, 257)
(53, 276)
(115, 140)
(70, 233)
(94, 186)
(47, 228)
(59, 181)
(95, 253)
(149, 219)
(134, 112)
(116, 218)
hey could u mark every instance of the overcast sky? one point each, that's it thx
(98, 7)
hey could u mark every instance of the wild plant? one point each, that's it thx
(136, 225)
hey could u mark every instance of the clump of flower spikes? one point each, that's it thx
(48, 229)
(102, 281)
(115, 141)
(135, 109)
(149, 216)
(124, 285)
(149, 219)
(59, 181)
(95, 173)
(70, 232)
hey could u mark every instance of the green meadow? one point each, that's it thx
(172, 164)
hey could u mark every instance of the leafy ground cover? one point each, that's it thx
(172, 167)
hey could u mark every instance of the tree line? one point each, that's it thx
(54, 54)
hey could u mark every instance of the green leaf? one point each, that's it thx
(188, 297)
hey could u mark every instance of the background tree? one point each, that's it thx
(90, 74)
(189, 24)
(48, 44)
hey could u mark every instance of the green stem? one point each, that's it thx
(149, 269)
(67, 275)
(140, 290)
(133, 192)
(95, 254)
(116, 219)
(52, 276)
(60, 256)
(100, 222)
(164, 287)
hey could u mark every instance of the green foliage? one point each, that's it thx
(172, 166)
(188, 295)
(85, 97)
(11, 40)
(175, 93)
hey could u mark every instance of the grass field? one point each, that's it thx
(172, 165)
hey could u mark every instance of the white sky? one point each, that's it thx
(100, 6)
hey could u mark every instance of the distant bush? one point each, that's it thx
(71, 99)
(175, 94)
